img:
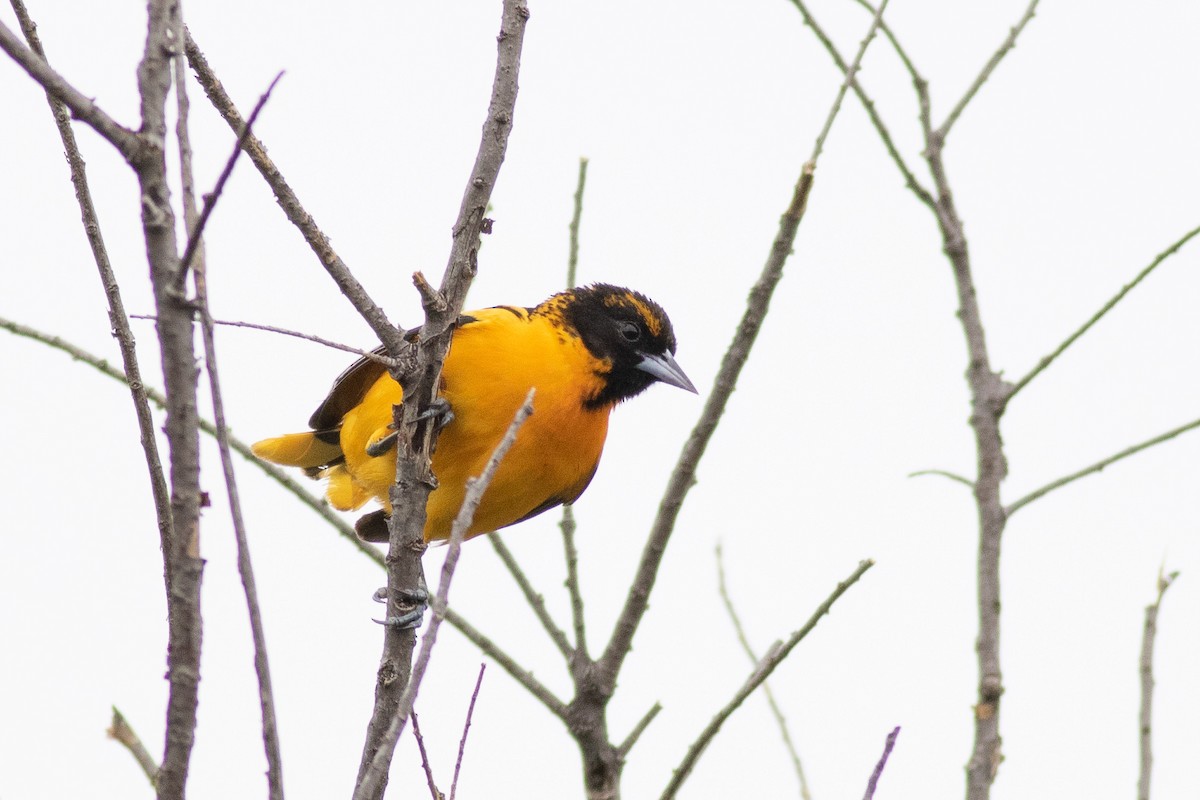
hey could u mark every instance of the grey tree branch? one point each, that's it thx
(873, 782)
(1008, 44)
(194, 256)
(629, 741)
(1146, 668)
(1118, 297)
(387, 333)
(970, 484)
(415, 443)
(910, 180)
(683, 477)
(773, 658)
(1099, 466)
(744, 641)
(567, 525)
(373, 780)
(119, 730)
(462, 742)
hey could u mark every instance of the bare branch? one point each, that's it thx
(571, 556)
(371, 355)
(127, 142)
(434, 792)
(878, 771)
(1008, 44)
(194, 256)
(121, 731)
(774, 657)
(196, 231)
(388, 333)
(532, 597)
(416, 440)
(850, 71)
(683, 476)
(1146, 667)
(372, 781)
(1118, 297)
(1098, 466)
(910, 180)
(573, 228)
(780, 720)
(900, 51)
(625, 746)
(567, 525)
(462, 743)
(970, 484)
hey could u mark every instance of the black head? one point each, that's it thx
(629, 332)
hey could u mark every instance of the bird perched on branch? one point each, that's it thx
(583, 350)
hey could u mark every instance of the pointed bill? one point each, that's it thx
(665, 369)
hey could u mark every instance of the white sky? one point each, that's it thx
(1074, 167)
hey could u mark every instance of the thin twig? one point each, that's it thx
(574, 592)
(970, 484)
(121, 731)
(1098, 466)
(773, 658)
(1118, 297)
(1146, 668)
(573, 228)
(462, 743)
(910, 180)
(388, 333)
(434, 792)
(371, 783)
(878, 771)
(194, 256)
(371, 355)
(1008, 44)
(567, 525)
(683, 476)
(850, 71)
(534, 598)
(183, 563)
(629, 741)
(210, 200)
(900, 51)
(780, 720)
(417, 438)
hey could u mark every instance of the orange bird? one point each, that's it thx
(583, 350)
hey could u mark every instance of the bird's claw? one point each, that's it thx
(415, 601)
(439, 411)
(380, 446)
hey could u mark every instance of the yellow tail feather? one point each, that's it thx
(297, 450)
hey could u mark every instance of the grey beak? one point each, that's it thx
(664, 369)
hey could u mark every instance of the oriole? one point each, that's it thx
(584, 350)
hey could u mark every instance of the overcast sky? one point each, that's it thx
(1075, 165)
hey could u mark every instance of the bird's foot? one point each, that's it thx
(411, 606)
(439, 411)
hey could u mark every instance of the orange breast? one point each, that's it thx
(492, 364)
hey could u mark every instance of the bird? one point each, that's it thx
(583, 351)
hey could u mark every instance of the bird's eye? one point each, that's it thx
(630, 332)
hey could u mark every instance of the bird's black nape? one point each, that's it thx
(629, 331)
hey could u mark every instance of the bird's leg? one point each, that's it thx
(411, 607)
(381, 445)
(439, 411)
